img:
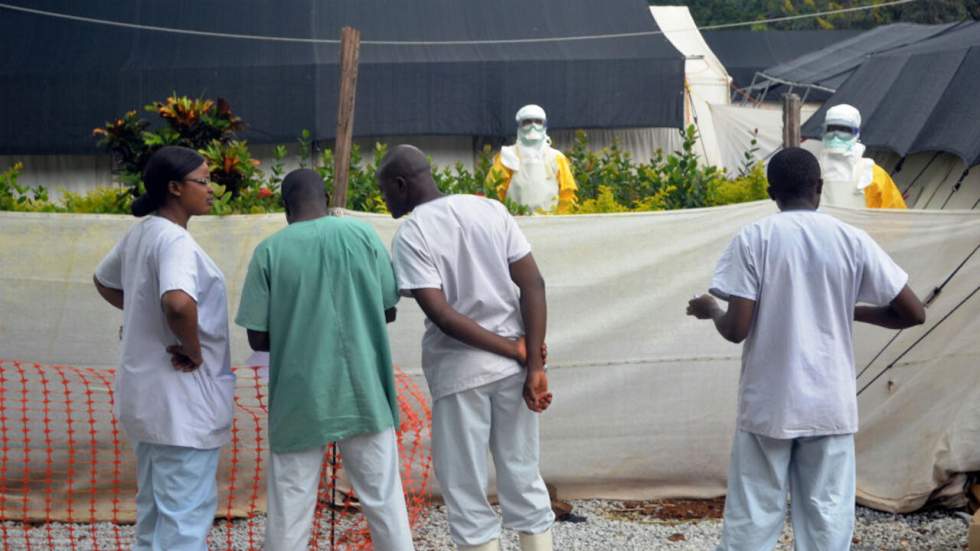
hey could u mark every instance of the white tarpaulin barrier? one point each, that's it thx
(644, 396)
(736, 125)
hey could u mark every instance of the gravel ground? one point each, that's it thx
(609, 525)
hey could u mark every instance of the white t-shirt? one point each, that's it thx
(806, 271)
(154, 402)
(464, 245)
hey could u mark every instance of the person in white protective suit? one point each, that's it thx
(531, 173)
(792, 282)
(850, 179)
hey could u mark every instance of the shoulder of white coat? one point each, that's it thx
(509, 158)
(408, 225)
(171, 234)
(494, 205)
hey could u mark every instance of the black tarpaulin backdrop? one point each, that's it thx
(744, 53)
(921, 97)
(60, 79)
(829, 67)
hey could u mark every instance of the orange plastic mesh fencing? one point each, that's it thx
(68, 474)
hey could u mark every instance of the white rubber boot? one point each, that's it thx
(536, 542)
(492, 545)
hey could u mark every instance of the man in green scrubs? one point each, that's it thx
(317, 296)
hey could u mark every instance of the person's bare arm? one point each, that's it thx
(464, 329)
(905, 310)
(733, 324)
(258, 340)
(112, 296)
(534, 310)
(181, 314)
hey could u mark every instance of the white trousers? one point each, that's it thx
(176, 498)
(465, 427)
(818, 474)
(371, 464)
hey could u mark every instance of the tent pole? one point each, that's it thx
(919, 175)
(747, 97)
(350, 44)
(791, 120)
(765, 92)
(956, 187)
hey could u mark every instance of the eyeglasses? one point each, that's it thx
(203, 182)
(528, 122)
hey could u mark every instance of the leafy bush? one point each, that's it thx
(608, 179)
(205, 125)
(101, 200)
(751, 186)
(18, 197)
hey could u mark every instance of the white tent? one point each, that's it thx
(934, 180)
(706, 81)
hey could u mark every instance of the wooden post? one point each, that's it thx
(350, 44)
(791, 120)
(973, 532)
(973, 536)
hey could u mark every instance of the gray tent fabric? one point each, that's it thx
(828, 68)
(744, 53)
(918, 98)
(61, 78)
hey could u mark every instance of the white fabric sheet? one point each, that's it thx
(737, 125)
(706, 81)
(644, 396)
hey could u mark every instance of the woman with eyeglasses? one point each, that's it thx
(174, 386)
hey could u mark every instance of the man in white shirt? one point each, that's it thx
(470, 268)
(792, 282)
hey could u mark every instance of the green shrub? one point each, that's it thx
(18, 197)
(749, 187)
(101, 200)
(604, 202)
(608, 179)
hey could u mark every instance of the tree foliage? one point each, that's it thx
(720, 12)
